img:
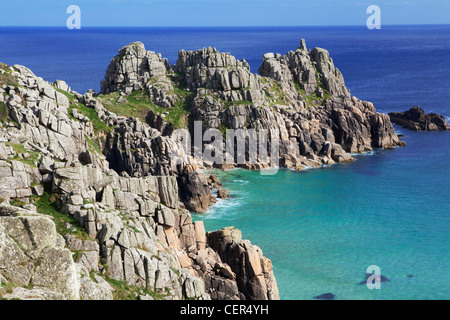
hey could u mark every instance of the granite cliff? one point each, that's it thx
(72, 228)
(93, 205)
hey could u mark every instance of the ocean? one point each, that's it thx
(322, 228)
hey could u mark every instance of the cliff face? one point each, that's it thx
(90, 189)
(301, 97)
(72, 228)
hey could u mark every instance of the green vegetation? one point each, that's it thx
(47, 205)
(94, 146)
(228, 104)
(6, 288)
(124, 291)
(31, 159)
(3, 112)
(90, 113)
(313, 99)
(139, 104)
(6, 76)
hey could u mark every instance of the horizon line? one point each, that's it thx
(233, 26)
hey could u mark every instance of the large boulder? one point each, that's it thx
(416, 119)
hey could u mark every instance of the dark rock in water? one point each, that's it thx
(223, 194)
(416, 119)
(382, 278)
(325, 296)
(410, 276)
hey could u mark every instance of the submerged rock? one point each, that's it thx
(382, 278)
(325, 296)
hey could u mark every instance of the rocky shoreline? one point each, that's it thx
(93, 205)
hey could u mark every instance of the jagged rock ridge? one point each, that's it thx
(301, 95)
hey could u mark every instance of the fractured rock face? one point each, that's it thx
(134, 66)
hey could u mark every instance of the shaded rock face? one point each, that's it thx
(136, 148)
(253, 272)
(416, 119)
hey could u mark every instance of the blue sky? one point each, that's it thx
(222, 12)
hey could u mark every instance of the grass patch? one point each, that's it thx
(228, 104)
(124, 291)
(47, 205)
(7, 77)
(31, 160)
(91, 114)
(4, 112)
(312, 99)
(93, 144)
(17, 203)
(139, 104)
(276, 94)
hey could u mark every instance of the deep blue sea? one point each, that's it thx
(321, 228)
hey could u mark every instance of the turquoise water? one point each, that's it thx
(322, 228)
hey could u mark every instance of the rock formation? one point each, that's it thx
(72, 228)
(95, 206)
(416, 119)
(300, 97)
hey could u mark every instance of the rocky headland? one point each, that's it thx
(416, 119)
(93, 205)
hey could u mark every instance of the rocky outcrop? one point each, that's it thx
(301, 98)
(134, 69)
(253, 271)
(416, 119)
(97, 231)
(117, 195)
